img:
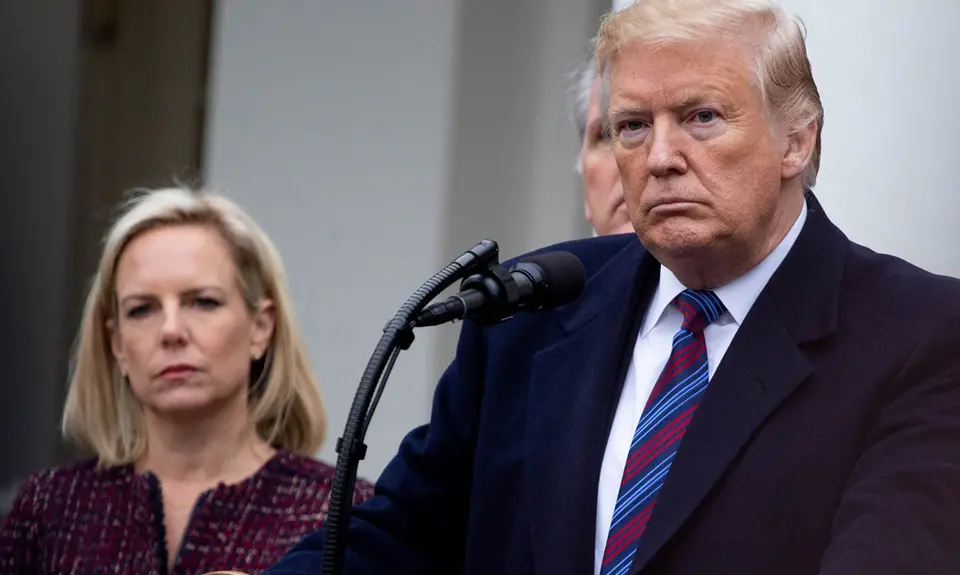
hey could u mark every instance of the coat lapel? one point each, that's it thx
(574, 388)
(762, 367)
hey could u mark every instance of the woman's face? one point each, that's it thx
(182, 332)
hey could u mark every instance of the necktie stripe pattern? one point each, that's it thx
(664, 421)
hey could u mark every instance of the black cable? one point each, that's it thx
(380, 388)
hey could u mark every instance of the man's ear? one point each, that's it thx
(799, 152)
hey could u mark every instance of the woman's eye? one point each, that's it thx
(138, 311)
(207, 303)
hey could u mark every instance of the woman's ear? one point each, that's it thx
(116, 345)
(264, 322)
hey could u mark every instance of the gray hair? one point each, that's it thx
(579, 94)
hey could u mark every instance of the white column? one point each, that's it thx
(376, 142)
(330, 122)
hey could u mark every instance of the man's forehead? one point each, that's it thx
(678, 94)
(676, 73)
(661, 58)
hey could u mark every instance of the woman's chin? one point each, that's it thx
(187, 404)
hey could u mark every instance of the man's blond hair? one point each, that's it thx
(776, 37)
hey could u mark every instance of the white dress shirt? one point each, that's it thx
(651, 352)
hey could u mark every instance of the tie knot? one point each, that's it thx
(700, 308)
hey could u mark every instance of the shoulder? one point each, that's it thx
(913, 313)
(362, 490)
(610, 265)
(594, 253)
(308, 477)
(51, 481)
(44, 492)
(295, 469)
(896, 283)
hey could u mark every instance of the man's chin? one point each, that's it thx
(672, 242)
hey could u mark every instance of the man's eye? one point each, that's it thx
(705, 116)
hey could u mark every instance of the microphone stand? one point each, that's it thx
(397, 336)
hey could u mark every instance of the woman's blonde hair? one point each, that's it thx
(782, 69)
(102, 415)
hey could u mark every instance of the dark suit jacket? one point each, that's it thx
(827, 442)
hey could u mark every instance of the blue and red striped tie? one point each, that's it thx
(665, 418)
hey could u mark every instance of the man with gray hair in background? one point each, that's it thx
(603, 202)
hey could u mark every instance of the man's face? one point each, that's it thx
(603, 201)
(701, 162)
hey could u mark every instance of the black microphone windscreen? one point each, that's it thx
(563, 274)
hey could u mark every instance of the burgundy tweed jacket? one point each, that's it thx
(80, 520)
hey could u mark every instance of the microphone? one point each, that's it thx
(537, 282)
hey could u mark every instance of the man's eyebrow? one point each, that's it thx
(682, 102)
(614, 115)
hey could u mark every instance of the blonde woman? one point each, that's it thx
(192, 391)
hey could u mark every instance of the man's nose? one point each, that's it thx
(665, 157)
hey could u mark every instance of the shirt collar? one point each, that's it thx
(737, 296)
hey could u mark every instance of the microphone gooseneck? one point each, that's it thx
(489, 294)
(397, 335)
